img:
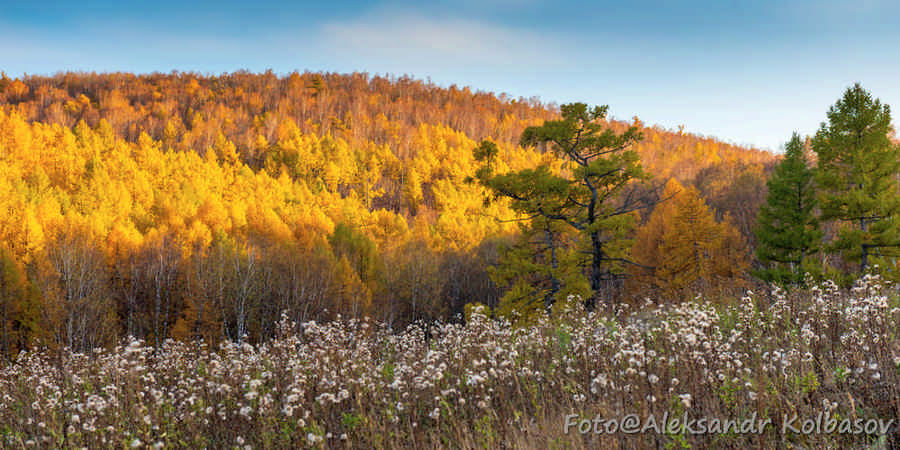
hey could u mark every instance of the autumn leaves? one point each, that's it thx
(682, 243)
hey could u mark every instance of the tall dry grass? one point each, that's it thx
(484, 384)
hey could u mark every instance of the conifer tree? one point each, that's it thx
(588, 197)
(697, 248)
(787, 228)
(539, 270)
(648, 238)
(857, 173)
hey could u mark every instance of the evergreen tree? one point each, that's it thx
(533, 270)
(539, 270)
(857, 173)
(588, 196)
(787, 229)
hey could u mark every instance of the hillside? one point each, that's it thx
(186, 111)
(183, 205)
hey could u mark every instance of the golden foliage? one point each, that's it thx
(223, 170)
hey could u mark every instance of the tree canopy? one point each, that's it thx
(684, 246)
(190, 206)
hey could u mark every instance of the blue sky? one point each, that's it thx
(748, 72)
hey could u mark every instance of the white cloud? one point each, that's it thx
(414, 39)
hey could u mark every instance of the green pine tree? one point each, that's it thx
(590, 197)
(538, 271)
(857, 174)
(787, 228)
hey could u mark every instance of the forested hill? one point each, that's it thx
(186, 111)
(181, 205)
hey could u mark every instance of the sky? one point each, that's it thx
(746, 72)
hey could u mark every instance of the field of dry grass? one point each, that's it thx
(820, 352)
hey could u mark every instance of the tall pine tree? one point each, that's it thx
(595, 195)
(857, 173)
(787, 228)
(539, 270)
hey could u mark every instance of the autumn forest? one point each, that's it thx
(190, 206)
(323, 260)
